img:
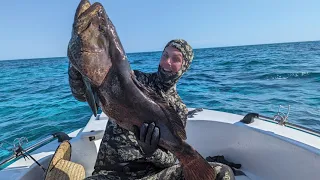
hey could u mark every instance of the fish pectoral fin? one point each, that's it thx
(174, 120)
(91, 97)
(172, 116)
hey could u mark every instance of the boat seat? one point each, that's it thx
(61, 167)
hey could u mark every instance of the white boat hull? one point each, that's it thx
(265, 150)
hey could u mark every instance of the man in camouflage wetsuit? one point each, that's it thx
(127, 155)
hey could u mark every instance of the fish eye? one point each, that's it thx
(102, 28)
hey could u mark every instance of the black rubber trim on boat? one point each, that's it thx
(234, 166)
(61, 136)
(249, 118)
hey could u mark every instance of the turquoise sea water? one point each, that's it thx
(35, 99)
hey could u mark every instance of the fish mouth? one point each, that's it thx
(87, 15)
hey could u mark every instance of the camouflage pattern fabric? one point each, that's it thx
(120, 156)
(175, 173)
(119, 146)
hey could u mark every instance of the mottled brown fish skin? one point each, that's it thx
(96, 52)
(88, 47)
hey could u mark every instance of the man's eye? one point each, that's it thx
(176, 59)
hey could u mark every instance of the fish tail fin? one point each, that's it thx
(198, 169)
(194, 166)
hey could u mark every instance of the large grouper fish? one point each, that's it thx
(96, 52)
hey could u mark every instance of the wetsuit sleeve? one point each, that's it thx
(120, 146)
(76, 84)
(146, 79)
(181, 109)
(162, 158)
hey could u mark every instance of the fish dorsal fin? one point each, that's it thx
(169, 111)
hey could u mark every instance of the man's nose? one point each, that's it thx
(168, 60)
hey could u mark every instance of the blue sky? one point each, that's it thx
(37, 28)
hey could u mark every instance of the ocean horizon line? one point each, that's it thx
(155, 51)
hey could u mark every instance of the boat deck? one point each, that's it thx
(263, 148)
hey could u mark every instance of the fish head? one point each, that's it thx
(88, 49)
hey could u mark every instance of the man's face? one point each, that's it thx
(171, 59)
